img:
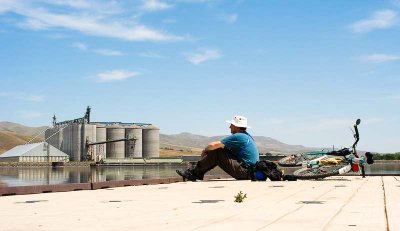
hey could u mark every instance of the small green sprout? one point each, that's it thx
(240, 197)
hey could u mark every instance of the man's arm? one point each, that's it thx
(212, 146)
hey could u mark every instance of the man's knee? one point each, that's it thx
(216, 151)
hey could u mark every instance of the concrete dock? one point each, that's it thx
(335, 203)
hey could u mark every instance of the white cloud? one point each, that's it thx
(6, 5)
(154, 5)
(203, 55)
(80, 4)
(379, 58)
(80, 46)
(379, 20)
(31, 98)
(107, 52)
(115, 75)
(151, 55)
(228, 18)
(88, 21)
(100, 7)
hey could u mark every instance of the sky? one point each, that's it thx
(302, 72)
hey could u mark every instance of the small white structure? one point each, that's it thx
(37, 152)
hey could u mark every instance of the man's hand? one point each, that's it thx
(212, 146)
(203, 153)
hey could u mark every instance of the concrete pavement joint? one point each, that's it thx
(384, 204)
(344, 205)
(293, 211)
(283, 198)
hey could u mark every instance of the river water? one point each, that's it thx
(23, 176)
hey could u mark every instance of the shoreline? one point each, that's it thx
(143, 163)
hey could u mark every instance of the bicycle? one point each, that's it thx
(318, 165)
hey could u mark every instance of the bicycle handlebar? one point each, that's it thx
(356, 136)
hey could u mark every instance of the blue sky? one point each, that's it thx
(301, 71)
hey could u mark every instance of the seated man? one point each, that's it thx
(234, 154)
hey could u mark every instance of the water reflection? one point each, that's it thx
(383, 168)
(21, 176)
(12, 176)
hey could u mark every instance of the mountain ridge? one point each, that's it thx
(265, 144)
(185, 143)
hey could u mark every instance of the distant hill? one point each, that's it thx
(21, 129)
(8, 140)
(187, 141)
(13, 134)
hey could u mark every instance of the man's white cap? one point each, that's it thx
(239, 121)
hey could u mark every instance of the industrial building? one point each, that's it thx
(37, 152)
(82, 139)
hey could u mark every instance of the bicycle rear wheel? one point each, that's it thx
(296, 160)
(319, 172)
(291, 161)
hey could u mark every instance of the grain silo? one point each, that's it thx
(133, 148)
(76, 138)
(54, 136)
(82, 139)
(101, 135)
(67, 141)
(88, 135)
(115, 149)
(151, 141)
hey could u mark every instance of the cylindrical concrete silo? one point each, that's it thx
(76, 151)
(133, 148)
(116, 149)
(47, 135)
(151, 141)
(60, 138)
(53, 137)
(101, 135)
(88, 135)
(69, 143)
(66, 144)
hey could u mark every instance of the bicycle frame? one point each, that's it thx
(349, 161)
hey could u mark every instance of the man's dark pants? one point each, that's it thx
(225, 160)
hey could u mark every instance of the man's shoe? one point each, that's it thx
(187, 175)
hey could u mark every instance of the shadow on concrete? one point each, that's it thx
(207, 201)
(31, 202)
(311, 202)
